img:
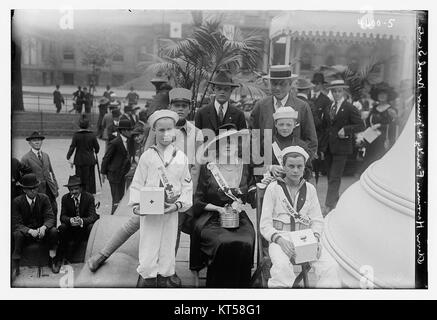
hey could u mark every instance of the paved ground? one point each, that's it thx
(57, 149)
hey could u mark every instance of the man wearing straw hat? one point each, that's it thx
(220, 111)
(345, 121)
(282, 81)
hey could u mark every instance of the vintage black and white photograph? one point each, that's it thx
(218, 149)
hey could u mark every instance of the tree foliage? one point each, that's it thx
(192, 62)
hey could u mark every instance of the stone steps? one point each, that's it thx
(50, 124)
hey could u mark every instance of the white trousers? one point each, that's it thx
(158, 235)
(282, 274)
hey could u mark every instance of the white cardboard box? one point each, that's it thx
(151, 200)
(305, 244)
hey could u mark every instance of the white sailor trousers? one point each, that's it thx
(282, 274)
(158, 235)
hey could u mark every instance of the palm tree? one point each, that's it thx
(192, 62)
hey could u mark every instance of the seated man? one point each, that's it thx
(78, 214)
(33, 221)
(288, 206)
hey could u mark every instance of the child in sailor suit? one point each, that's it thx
(158, 233)
(275, 220)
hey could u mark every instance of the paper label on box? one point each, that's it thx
(371, 134)
(151, 200)
(305, 244)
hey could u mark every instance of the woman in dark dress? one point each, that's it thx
(228, 253)
(382, 117)
(85, 143)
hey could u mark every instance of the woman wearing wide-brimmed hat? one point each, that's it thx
(382, 118)
(224, 183)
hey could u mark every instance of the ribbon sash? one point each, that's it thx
(298, 217)
(223, 185)
(168, 187)
(278, 153)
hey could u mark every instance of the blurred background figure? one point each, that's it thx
(58, 99)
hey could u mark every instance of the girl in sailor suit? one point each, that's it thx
(276, 223)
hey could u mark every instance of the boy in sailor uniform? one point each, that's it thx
(277, 221)
(166, 166)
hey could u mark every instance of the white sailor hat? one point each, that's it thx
(179, 94)
(285, 113)
(164, 113)
(296, 149)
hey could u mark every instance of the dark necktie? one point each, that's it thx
(76, 204)
(39, 156)
(333, 110)
(32, 205)
(220, 114)
(278, 104)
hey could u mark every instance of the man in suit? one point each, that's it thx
(345, 121)
(320, 108)
(129, 115)
(58, 99)
(78, 98)
(18, 170)
(39, 163)
(132, 97)
(117, 160)
(85, 146)
(220, 111)
(283, 89)
(33, 221)
(78, 214)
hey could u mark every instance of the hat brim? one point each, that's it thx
(307, 87)
(124, 128)
(229, 84)
(28, 187)
(180, 100)
(73, 184)
(35, 138)
(343, 86)
(314, 81)
(292, 76)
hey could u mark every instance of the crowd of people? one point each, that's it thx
(302, 129)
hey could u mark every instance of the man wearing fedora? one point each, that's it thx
(40, 164)
(111, 131)
(58, 99)
(220, 111)
(33, 221)
(78, 214)
(320, 107)
(129, 115)
(283, 86)
(85, 147)
(117, 160)
(345, 121)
